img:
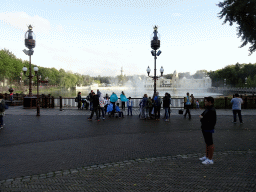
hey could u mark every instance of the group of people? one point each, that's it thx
(150, 107)
(100, 105)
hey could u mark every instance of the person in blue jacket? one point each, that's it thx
(123, 99)
(121, 114)
(113, 100)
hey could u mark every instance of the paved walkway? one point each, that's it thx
(62, 151)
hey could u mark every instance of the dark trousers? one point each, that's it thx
(123, 105)
(121, 114)
(114, 108)
(106, 106)
(129, 109)
(79, 105)
(157, 112)
(95, 110)
(1, 121)
(239, 115)
(187, 111)
(150, 111)
(101, 109)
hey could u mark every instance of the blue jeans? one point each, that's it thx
(166, 112)
(130, 109)
(1, 121)
(143, 111)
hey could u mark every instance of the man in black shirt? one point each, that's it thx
(95, 103)
(208, 121)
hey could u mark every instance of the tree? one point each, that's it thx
(242, 12)
(200, 74)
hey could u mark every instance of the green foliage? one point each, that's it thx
(242, 12)
(235, 75)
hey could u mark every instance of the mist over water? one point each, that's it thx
(135, 88)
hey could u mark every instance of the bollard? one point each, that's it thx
(52, 102)
(245, 102)
(5, 96)
(49, 101)
(226, 102)
(60, 103)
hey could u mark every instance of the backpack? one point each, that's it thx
(76, 99)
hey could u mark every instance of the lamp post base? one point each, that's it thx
(30, 102)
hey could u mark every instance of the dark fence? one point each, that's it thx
(48, 101)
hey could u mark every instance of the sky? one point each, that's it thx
(93, 37)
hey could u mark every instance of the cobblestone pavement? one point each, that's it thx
(57, 152)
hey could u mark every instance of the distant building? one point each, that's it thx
(176, 82)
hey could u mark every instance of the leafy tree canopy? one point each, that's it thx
(242, 12)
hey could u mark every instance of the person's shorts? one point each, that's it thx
(207, 138)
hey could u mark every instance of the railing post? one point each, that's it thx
(49, 101)
(226, 102)
(245, 102)
(52, 102)
(60, 103)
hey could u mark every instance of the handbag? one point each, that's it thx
(180, 111)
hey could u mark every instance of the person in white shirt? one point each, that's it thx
(129, 104)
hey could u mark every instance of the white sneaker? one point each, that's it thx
(203, 158)
(1, 127)
(207, 161)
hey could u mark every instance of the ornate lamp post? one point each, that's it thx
(30, 43)
(155, 44)
(245, 81)
(38, 99)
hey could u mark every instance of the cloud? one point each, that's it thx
(21, 20)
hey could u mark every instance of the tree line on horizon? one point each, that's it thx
(11, 69)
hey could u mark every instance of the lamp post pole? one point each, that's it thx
(155, 44)
(38, 99)
(30, 78)
(30, 43)
(155, 75)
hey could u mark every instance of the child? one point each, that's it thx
(129, 105)
(118, 110)
(197, 104)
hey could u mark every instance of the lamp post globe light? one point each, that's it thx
(30, 43)
(155, 44)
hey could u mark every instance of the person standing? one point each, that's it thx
(169, 110)
(129, 105)
(2, 109)
(123, 100)
(157, 106)
(166, 106)
(113, 100)
(149, 107)
(106, 103)
(208, 121)
(197, 104)
(79, 100)
(101, 106)
(143, 107)
(192, 101)
(236, 108)
(95, 103)
(187, 102)
(90, 98)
